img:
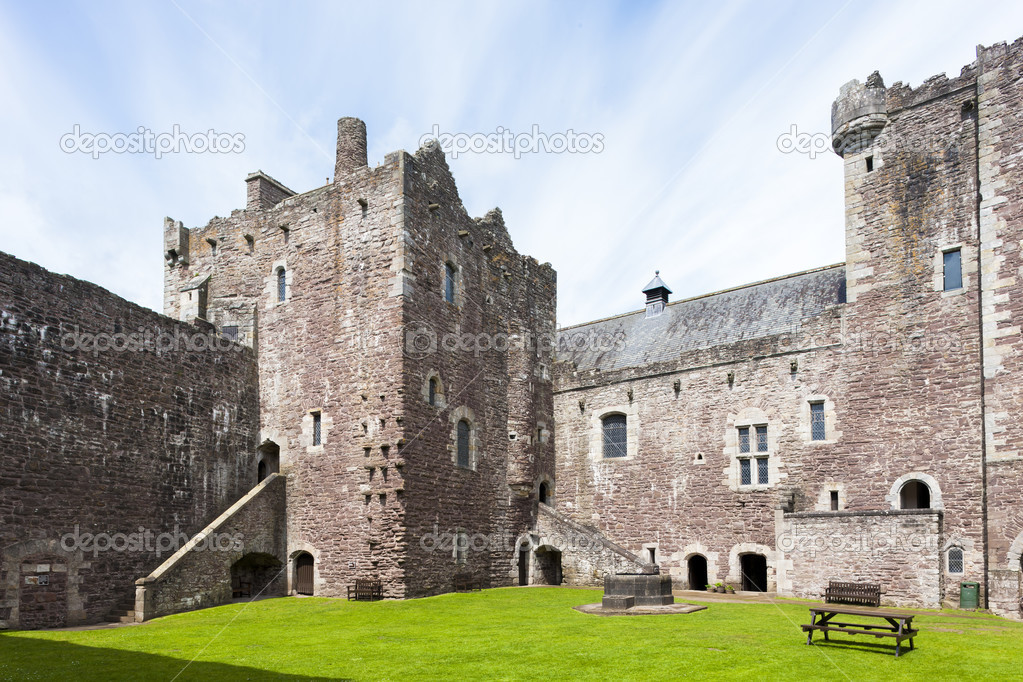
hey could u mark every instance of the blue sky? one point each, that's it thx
(690, 99)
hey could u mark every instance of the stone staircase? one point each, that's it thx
(124, 612)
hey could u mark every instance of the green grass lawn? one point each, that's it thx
(503, 634)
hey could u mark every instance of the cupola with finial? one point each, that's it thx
(656, 295)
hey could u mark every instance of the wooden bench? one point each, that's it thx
(365, 590)
(861, 594)
(898, 626)
(240, 588)
(465, 582)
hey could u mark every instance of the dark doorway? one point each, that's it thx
(304, 573)
(754, 572)
(697, 572)
(256, 574)
(545, 493)
(523, 566)
(915, 495)
(548, 566)
(269, 457)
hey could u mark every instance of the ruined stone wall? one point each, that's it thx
(900, 550)
(108, 434)
(483, 350)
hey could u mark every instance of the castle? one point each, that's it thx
(362, 381)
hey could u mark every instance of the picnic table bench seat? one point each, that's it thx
(897, 625)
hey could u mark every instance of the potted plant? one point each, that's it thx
(729, 589)
(710, 588)
(719, 587)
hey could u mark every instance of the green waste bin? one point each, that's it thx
(969, 595)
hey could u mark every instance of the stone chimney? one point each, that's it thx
(351, 147)
(656, 295)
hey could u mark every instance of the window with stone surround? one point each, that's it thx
(464, 433)
(316, 429)
(755, 465)
(449, 282)
(432, 391)
(282, 285)
(953, 269)
(954, 560)
(817, 430)
(614, 430)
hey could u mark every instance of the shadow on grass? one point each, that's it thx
(864, 646)
(27, 658)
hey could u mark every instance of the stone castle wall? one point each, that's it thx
(106, 435)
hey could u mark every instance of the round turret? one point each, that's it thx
(858, 115)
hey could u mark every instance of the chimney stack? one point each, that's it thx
(351, 147)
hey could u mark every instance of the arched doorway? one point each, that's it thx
(545, 493)
(754, 572)
(256, 574)
(915, 495)
(269, 460)
(697, 572)
(523, 565)
(548, 565)
(304, 564)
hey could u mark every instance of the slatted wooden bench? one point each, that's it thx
(365, 590)
(862, 594)
(899, 626)
(466, 582)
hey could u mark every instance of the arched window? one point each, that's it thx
(463, 443)
(449, 282)
(544, 493)
(282, 285)
(614, 433)
(433, 391)
(915, 495)
(955, 560)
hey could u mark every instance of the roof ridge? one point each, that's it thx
(713, 293)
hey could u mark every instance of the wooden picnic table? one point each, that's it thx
(898, 625)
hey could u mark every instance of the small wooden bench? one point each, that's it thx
(365, 590)
(466, 582)
(861, 594)
(899, 626)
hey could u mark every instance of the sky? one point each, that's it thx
(688, 101)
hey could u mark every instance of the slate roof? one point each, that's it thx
(763, 309)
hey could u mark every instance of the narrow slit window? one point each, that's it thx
(433, 390)
(953, 270)
(834, 500)
(463, 443)
(870, 164)
(449, 282)
(316, 428)
(282, 285)
(817, 431)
